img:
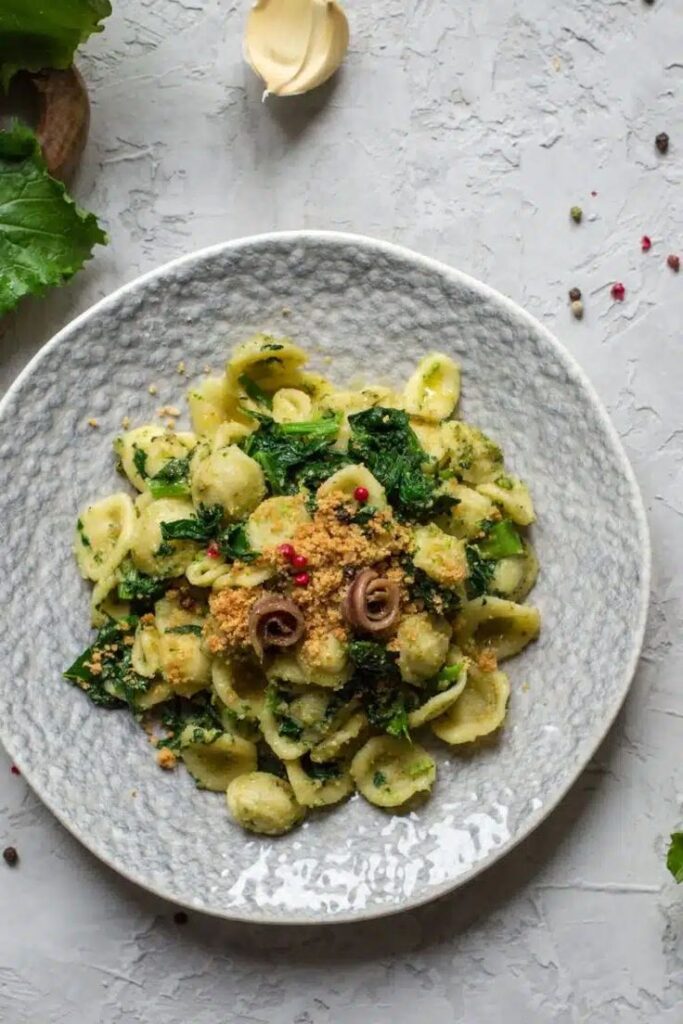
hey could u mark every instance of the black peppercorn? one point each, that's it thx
(662, 142)
(10, 855)
(574, 294)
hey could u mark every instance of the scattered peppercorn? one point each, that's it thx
(10, 855)
(594, 194)
(674, 262)
(576, 214)
(662, 142)
(299, 562)
(14, 770)
(361, 494)
(286, 551)
(180, 917)
(577, 309)
(618, 291)
(213, 551)
(646, 243)
(574, 294)
(302, 579)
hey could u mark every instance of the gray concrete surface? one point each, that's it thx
(466, 131)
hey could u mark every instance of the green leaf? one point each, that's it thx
(430, 594)
(140, 461)
(36, 34)
(379, 779)
(320, 772)
(674, 858)
(188, 629)
(234, 544)
(481, 572)
(180, 712)
(295, 455)
(44, 237)
(172, 480)
(104, 669)
(254, 392)
(502, 541)
(138, 586)
(372, 658)
(383, 440)
(201, 527)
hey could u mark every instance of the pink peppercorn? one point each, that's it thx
(646, 243)
(302, 579)
(674, 262)
(361, 494)
(213, 551)
(618, 291)
(14, 770)
(299, 562)
(287, 551)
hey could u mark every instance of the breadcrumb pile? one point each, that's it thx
(336, 549)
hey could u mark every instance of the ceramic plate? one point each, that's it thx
(365, 309)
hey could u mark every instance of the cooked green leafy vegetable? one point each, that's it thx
(481, 572)
(255, 392)
(189, 628)
(278, 700)
(430, 594)
(448, 675)
(140, 461)
(172, 480)
(502, 540)
(35, 34)
(385, 442)
(295, 455)
(320, 772)
(379, 779)
(138, 586)
(44, 237)
(234, 544)
(674, 858)
(372, 658)
(198, 712)
(202, 527)
(104, 669)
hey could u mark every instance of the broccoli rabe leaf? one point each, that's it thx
(104, 669)
(383, 440)
(294, 455)
(674, 857)
(188, 629)
(140, 461)
(198, 712)
(320, 772)
(172, 480)
(234, 544)
(138, 586)
(502, 540)
(255, 392)
(481, 572)
(278, 700)
(44, 237)
(201, 527)
(372, 658)
(35, 34)
(427, 592)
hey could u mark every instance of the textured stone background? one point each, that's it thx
(466, 131)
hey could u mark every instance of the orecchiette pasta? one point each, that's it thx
(478, 711)
(263, 803)
(390, 771)
(304, 581)
(501, 626)
(433, 391)
(104, 535)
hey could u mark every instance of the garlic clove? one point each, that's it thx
(295, 45)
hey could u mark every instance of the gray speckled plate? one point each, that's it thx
(365, 309)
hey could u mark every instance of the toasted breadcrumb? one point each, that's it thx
(487, 661)
(125, 422)
(166, 759)
(92, 422)
(180, 368)
(152, 389)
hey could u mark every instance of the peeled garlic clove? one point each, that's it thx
(295, 45)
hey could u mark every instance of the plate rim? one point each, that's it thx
(637, 632)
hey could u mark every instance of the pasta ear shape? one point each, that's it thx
(346, 480)
(214, 762)
(440, 555)
(290, 405)
(422, 643)
(341, 738)
(433, 391)
(149, 552)
(512, 496)
(104, 535)
(229, 478)
(501, 626)
(322, 789)
(241, 686)
(271, 363)
(472, 456)
(464, 519)
(275, 521)
(440, 702)
(479, 710)
(389, 771)
(513, 578)
(263, 803)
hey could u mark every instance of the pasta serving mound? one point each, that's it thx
(304, 581)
